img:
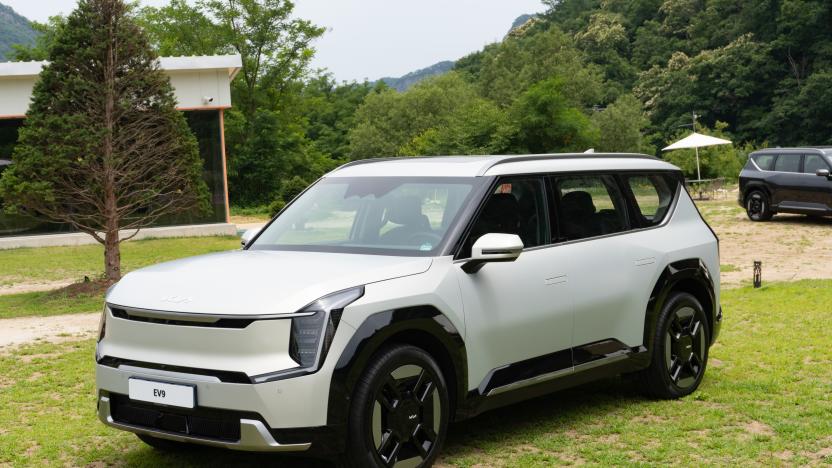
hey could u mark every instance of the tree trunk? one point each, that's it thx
(112, 256)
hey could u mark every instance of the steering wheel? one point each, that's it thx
(429, 236)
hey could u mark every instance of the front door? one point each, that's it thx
(518, 315)
(817, 191)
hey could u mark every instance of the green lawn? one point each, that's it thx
(73, 263)
(47, 303)
(766, 400)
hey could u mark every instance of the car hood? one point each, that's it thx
(254, 282)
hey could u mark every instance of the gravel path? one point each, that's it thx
(18, 331)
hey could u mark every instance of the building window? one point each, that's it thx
(206, 128)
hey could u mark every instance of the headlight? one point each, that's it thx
(312, 332)
(102, 324)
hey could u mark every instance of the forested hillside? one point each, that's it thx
(14, 29)
(614, 75)
(403, 83)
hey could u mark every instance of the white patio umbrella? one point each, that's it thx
(696, 141)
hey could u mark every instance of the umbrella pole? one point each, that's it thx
(698, 174)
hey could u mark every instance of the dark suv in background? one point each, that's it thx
(787, 180)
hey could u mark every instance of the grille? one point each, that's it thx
(221, 323)
(203, 423)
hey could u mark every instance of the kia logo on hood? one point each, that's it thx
(177, 299)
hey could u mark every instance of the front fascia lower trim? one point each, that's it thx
(254, 436)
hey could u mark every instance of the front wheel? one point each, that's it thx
(400, 411)
(680, 349)
(757, 206)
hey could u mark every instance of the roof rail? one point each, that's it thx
(543, 157)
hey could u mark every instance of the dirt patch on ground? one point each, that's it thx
(17, 331)
(84, 288)
(791, 247)
(26, 287)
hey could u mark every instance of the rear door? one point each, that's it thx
(608, 263)
(787, 182)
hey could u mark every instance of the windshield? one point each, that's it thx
(408, 216)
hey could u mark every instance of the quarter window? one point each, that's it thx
(765, 161)
(588, 206)
(787, 163)
(813, 162)
(653, 195)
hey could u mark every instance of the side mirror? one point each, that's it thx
(493, 248)
(248, 236)
(822, 173)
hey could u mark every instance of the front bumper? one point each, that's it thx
(254, 436)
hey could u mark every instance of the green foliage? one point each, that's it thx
(620, 126)
(38, 49)
(548, 123)
(14, 29)
(181, 29)
(433, 117)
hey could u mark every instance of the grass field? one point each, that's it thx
(51, 264)
(73, 263)
(765, 400)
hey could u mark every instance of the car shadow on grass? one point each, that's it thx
(557, 412)
(198, 456)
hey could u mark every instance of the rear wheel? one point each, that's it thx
(164, 445)
(680, 349)
(400, 411)
(757, 206)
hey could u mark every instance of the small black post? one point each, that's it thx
(758, 273)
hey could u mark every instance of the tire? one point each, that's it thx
(757, 206)
(680, 349)
(399, 411)
(164, 445)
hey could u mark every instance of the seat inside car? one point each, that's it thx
(579, 219)
(406, 211)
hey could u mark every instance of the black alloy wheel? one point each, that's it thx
(757, 206)
(400, 411)
(679, 355)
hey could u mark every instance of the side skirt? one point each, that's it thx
(550, 373)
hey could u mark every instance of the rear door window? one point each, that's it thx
(787, 163)
(765, 161)
(653, 195)
(813, 162)
(588, 206)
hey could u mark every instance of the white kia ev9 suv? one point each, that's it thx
(395, 296)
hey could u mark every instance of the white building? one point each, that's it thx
(203, 90)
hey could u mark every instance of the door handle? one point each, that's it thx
(558, 279)
(645, 261)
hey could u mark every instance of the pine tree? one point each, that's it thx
(103, 147)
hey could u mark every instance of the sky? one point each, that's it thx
(376, 38)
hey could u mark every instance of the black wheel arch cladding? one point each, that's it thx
(422, 326)
(691, 276)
